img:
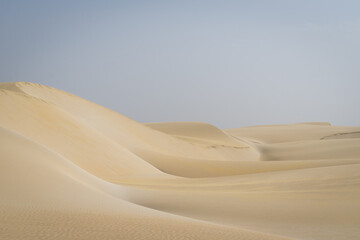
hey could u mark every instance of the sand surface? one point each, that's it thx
(71, 169)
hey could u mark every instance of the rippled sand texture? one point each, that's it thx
(71, 169)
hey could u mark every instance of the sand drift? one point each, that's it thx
(71, 169)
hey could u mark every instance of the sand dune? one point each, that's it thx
(290, 132)
(71, 169)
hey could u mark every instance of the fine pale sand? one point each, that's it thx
(71, 169)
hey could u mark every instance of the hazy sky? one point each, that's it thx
(229, 63)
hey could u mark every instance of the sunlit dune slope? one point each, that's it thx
(71, 169)
(63, 133)
(84, 128)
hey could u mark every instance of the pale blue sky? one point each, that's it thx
(229, 63)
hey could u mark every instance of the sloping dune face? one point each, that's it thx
(71, 169)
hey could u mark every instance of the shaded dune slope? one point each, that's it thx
(45, 196)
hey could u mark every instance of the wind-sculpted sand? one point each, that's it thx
(71, 169)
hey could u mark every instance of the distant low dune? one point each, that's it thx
(71, 169)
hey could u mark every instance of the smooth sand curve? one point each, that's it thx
(71, 169)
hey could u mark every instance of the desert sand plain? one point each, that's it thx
(71, 169)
